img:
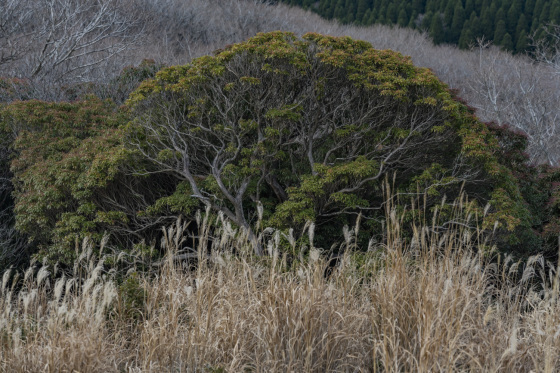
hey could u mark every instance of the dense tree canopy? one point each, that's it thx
(309, 129)
(506, 22)
(65, 167)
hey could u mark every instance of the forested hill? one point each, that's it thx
(508, 23)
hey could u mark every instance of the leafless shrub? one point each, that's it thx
(14, 30)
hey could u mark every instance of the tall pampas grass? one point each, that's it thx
(435, 301)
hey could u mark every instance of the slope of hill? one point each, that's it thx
(421, 294)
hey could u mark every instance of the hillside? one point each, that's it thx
(245, 186)
(507, 23)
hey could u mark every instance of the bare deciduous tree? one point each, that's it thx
(15, 17)
(75, 35)
(547, 47)
(54, 42)
(519, 92)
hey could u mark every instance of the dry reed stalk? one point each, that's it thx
(426, 304)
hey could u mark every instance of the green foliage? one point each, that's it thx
(69, 174)
(132, 298)
(69, 170)
(311, 128)
(445, 20)
(65, 153)
(179, 203)
(539, 227)
(277, 128)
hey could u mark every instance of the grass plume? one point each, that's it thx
(433, 302)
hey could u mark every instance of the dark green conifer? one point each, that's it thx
(361, 10)
(469, 7)
(512, 17)
(366, 17)
(426, 21)
(412, 23)
(391, 16)
(402, 20)
(545, 14)
(528, 8)
(475, 25)
(466, 37)
(555, 12)
(521, 26)
(522, 42)
(507, 42)
(487, 24)
(339, 12)
(350, 10)
(436, 30)
(500, 32)
(457, 23)
(448, 13)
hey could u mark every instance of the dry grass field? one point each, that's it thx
(432, 304)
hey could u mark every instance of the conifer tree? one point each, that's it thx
(521, 26)
(366, 17)
(475, 26)
(402, 19)
(507, 42)
(448, 13)
(545, 14)
(512, 17)
(436, 29)
(339, 9)
(457, 23)
(418, 6)
(484, 16)
(528, 8)
(487, 24)
(466, 36)
(469, 6)
(522, 42)
(361, 10)
(350, 9)
(427, 21)
(413, 20)
(391, 15)
(500, 32)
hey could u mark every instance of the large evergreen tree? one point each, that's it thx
(457, 22)
(308, 129)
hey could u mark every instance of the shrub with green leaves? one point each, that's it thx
(311, 128)
(71, 175)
